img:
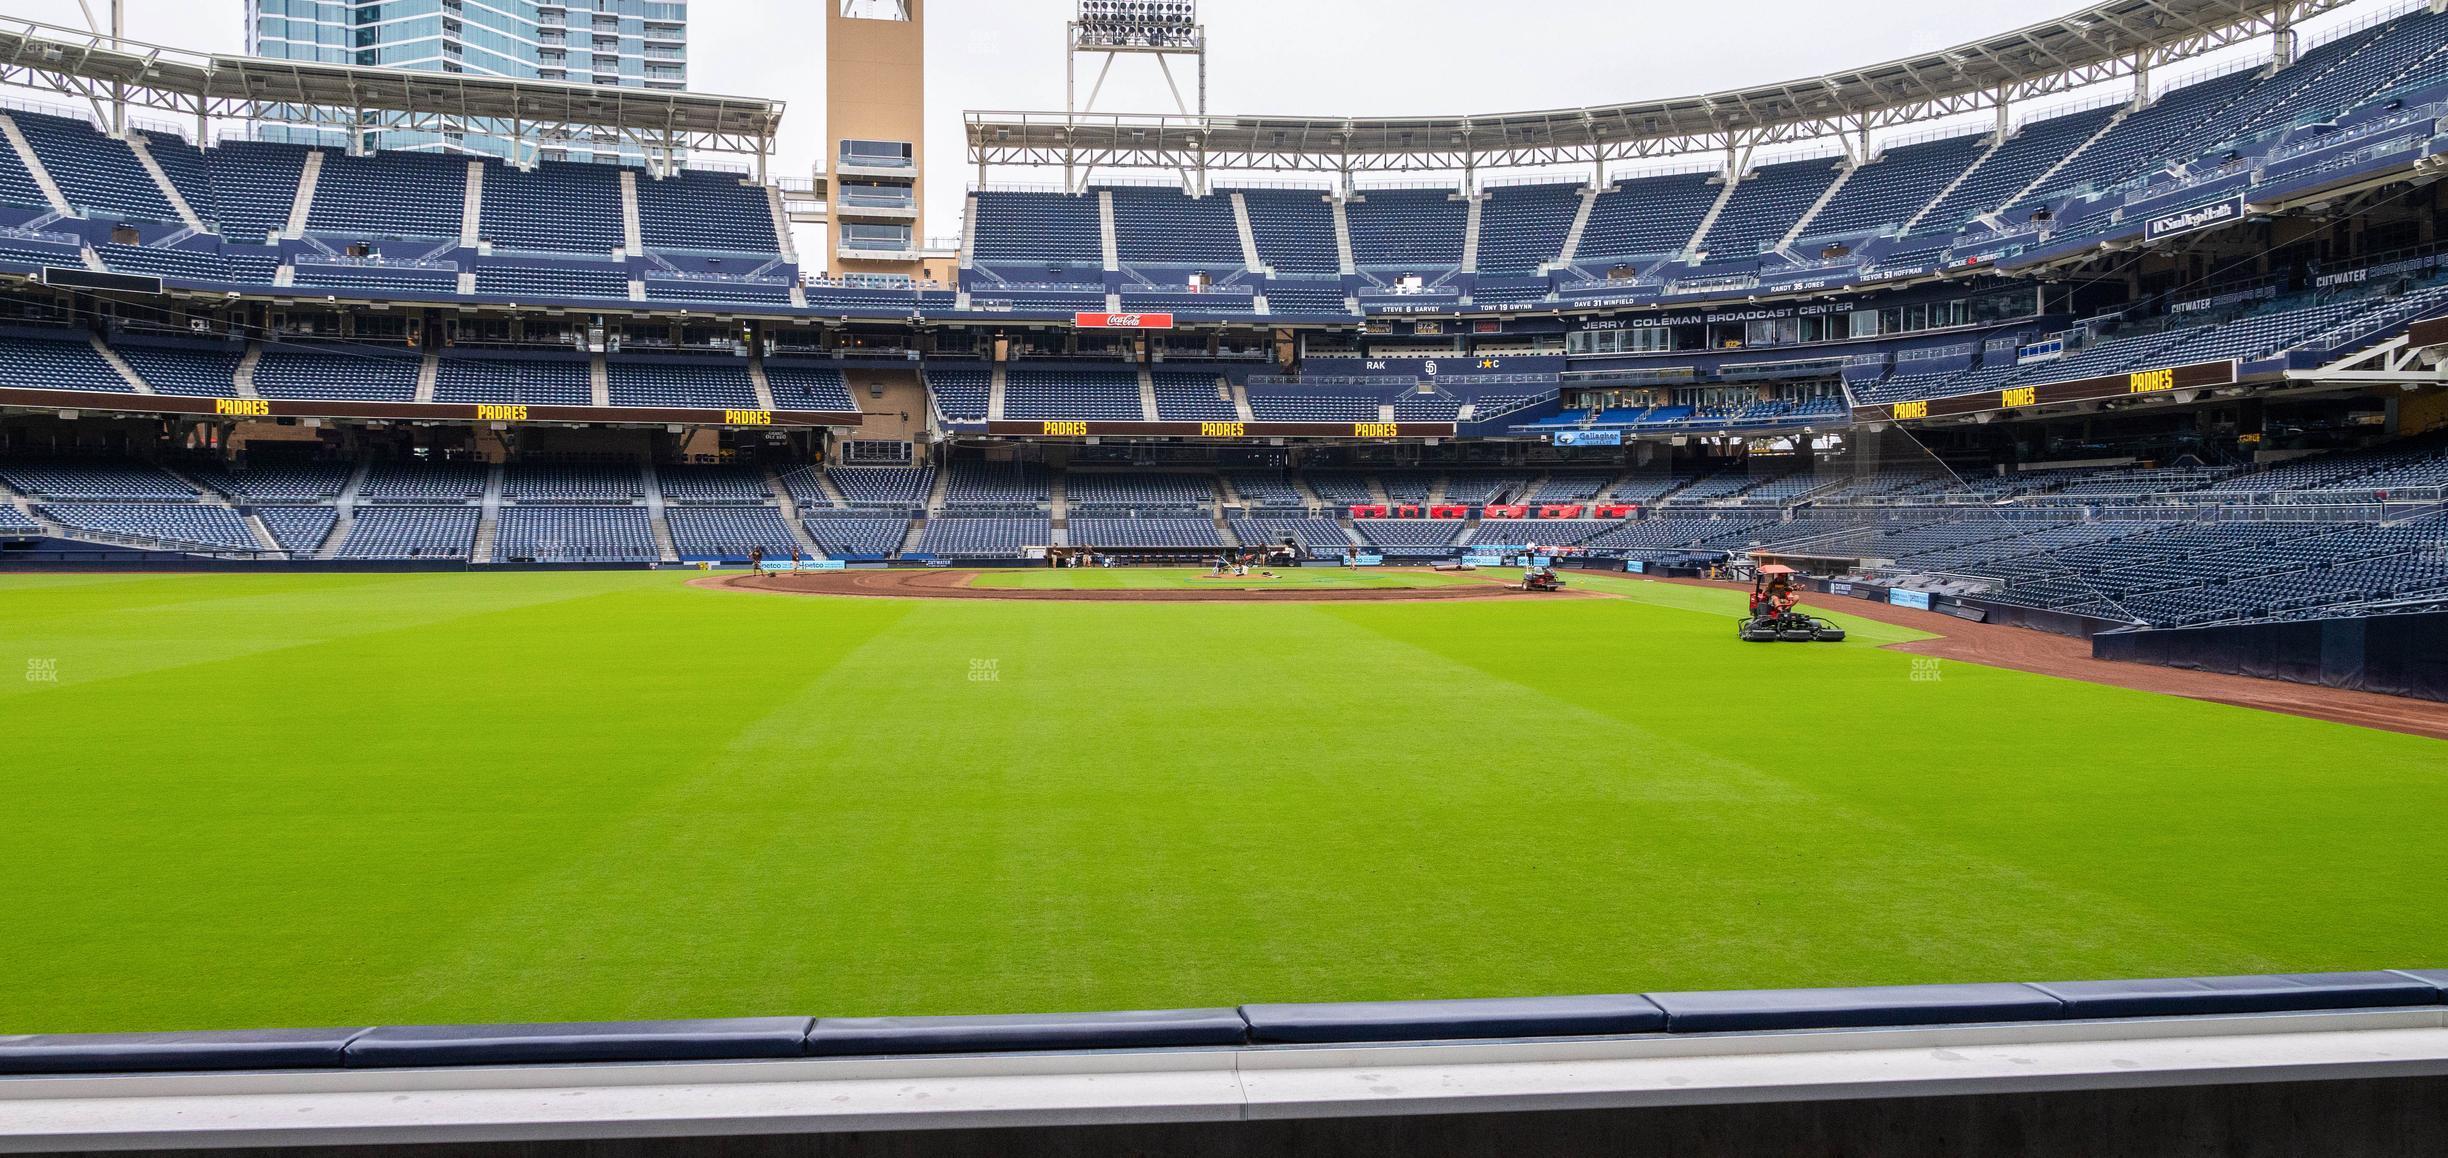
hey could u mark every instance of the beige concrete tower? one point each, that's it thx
(875, 134)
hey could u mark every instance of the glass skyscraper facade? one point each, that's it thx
(625, 43)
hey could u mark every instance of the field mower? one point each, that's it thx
(1773, 618)
(1543, 579)
(1787, 627)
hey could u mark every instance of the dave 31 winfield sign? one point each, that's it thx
(1124, 321)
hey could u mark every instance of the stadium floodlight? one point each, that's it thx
(1138, 25)
(1158, 28)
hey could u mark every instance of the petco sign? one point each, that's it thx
(1124, 321)
(2225, 212)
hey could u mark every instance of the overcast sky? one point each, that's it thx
(1326, 57)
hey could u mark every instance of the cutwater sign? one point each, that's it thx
(2210, 216)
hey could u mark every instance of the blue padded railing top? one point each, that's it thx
(1328, 1023)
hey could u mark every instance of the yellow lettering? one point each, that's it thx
(243, 407)
(747, 417)
(2019, 396)
(1066, 430)
(1376, 430)
(1905, 410)
(1221, 430)
(2150, 381)
(493, 412)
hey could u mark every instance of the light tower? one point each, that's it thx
(1157, 29)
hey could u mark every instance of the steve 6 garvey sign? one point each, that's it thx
(1123, 321)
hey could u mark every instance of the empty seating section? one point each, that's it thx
(195, 372)
(550, 534)
(698, 210)
(1039, 229)
(801, 387)
(1083, 394)
(561, 281)
(2015, 164)
(195, 265)
(1765, 206)
(549, 483)
(331, 274)
(996, 484)
(1145, 533)
(1321, 538)
(1192, 398)
(17, 185)
(1427, 408)
(1647, 216)
(1540, 532)
(890, 486)
(712, 484)
(1415, 230)
(395, 195)
(1143, 490)
(183, 523)
(253, 187)
(1567, 486)
(301, 531)
(1306, 406)
(1259, 489)
(1410, 536)
(1169, 227)
(1294, 229)
(1890, 190)
(960, 391)
(189, 173)
(537, 381)
(66, 361)
(1316, 297)
(408, 532)
(561, 206)
(708, 383)
(983, 538)
(99, 480)
(424, 484)
(1522, 227)
(1341, 488)
(99, 176)
(335, 370)
(2144, 138)
(842, 536)
(315, 483)
(1474, 489)
(724, 532)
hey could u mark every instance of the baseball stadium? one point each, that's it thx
(1898, 612)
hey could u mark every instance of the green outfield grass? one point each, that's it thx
(326, 800)
(1197, 579)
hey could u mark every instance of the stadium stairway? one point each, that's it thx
(666, 550)
(126, 372)
(488, 524)
(789, 505)
(347, 506)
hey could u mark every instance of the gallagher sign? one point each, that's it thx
(1123, 321)
(2212, 216)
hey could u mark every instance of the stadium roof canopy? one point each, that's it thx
(2105, 42)
(207, 86)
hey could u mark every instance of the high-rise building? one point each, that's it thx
(625, 43)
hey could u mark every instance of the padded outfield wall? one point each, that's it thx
(2392, 655)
